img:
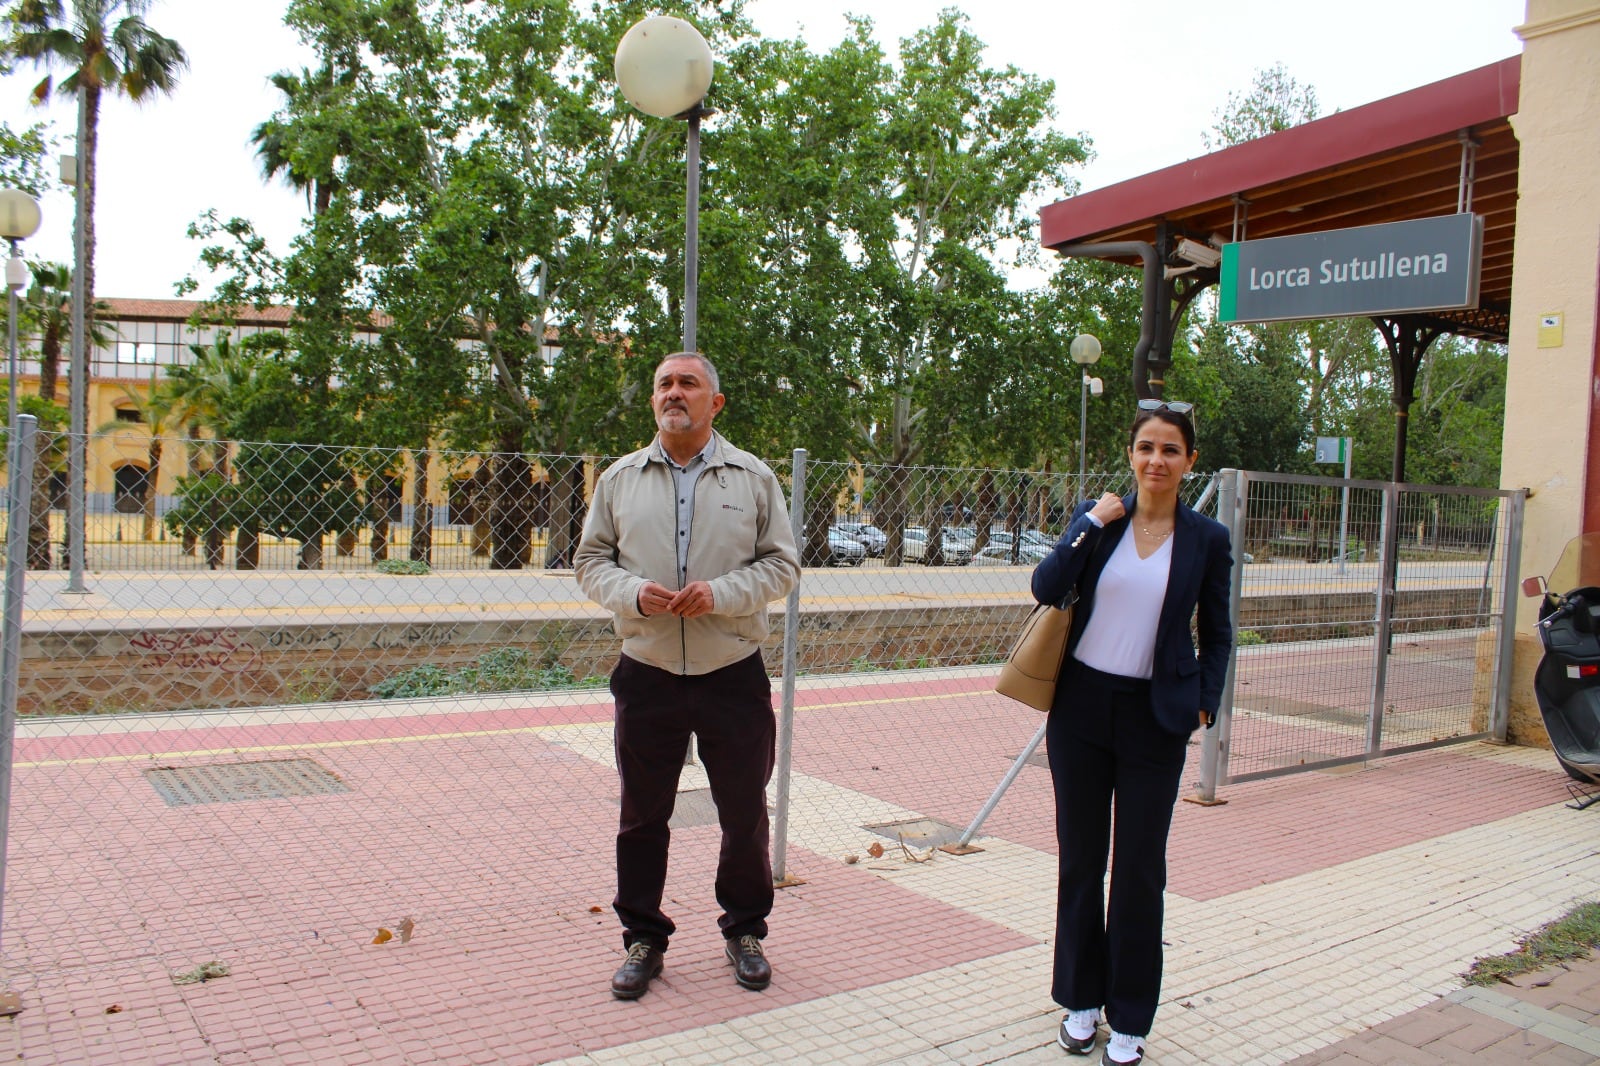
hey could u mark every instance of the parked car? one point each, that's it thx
(1038, 539)
(845, 550)
(874, 538)
(999, 550)
(957, 550)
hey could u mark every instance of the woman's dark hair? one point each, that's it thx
(1170, 417)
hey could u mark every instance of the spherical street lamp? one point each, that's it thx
(1085, 351)
(664, 66)
(19, 220)
(664, 69)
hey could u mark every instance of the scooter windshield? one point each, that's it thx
(1579, 566)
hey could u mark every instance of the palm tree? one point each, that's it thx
(103, 45)
(45, 308)
(205, 397)
(305, 93)
(157, 406)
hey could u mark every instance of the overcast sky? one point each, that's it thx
(1143, 78)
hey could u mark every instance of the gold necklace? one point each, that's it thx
(1159, 536)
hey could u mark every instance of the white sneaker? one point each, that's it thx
(1123, 1050)
(1078, 1033)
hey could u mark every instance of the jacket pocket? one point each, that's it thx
(751, 627)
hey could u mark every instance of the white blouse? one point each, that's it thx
(1120, 637)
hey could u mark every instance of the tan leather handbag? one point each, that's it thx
(1030, 673)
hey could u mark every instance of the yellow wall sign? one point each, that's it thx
(1550, 331)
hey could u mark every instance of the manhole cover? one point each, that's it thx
(918, 832)
(187, 786)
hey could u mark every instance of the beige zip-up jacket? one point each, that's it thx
(740, 543)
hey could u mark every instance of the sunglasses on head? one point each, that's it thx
(1177, 407)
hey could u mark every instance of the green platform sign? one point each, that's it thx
(1425, 264)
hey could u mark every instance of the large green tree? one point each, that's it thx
(518, 229)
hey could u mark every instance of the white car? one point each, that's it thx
(999, 551)
(874, 538)
(957, 550)
(845, 550)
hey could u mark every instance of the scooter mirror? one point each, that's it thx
(1533, 586)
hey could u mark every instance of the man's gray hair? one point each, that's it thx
(706, 368)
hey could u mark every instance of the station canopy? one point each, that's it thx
(1440, 149)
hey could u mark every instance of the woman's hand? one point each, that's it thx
(1108, 508)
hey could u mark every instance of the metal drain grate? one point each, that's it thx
(188, 786)
(917, 832)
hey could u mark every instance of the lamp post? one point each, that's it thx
(1085, 351)
(19, 220)
(664, 69)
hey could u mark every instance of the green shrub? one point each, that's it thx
(500, 670)
(402, 566)
(1249, 636)
(1572, 936)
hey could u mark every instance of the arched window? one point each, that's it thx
(132, 484)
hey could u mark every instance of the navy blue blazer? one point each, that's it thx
(1182, 683)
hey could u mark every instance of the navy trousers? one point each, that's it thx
(730, 711)
(1108, 753)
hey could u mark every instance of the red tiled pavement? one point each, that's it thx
(1450, 1032)
(495, 836)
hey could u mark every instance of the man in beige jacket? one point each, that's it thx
(686, 542)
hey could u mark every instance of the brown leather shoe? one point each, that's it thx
(750, 966)
(642, 966)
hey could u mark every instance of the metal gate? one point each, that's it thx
(1371, 618)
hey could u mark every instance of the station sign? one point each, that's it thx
(1423, 264)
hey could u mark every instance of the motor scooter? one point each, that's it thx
(1566, 684)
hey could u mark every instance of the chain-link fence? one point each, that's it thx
(307, 692)
(1373, 619)
(311, 691)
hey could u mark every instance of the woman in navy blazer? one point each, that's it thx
(1132, 690)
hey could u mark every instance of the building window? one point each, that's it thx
(135, 352)
(132, 484)
(128, 414)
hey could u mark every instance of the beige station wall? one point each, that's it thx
(1550, 389)
(1550, 385)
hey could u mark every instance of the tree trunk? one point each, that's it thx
(421, 512)
(310, 554)
(247, 552)
(566, 506)
(814, 550)
(988, 508)
(191, 462)
(39, 550)
(152, 476)
(511, 508)
(380, 540)
(890, 515)
(215, 542)
(479, 495)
